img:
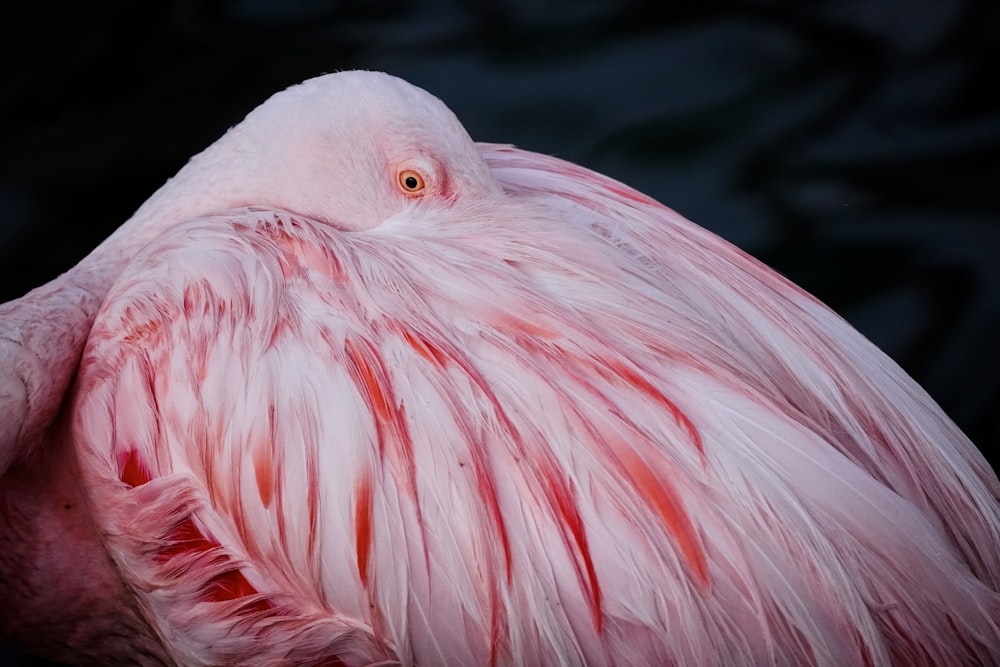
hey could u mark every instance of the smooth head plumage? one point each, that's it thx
(331, 148)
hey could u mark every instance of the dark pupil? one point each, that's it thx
(411, 182)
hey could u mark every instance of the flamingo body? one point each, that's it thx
(521, 415)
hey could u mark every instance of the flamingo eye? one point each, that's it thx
(411, 182)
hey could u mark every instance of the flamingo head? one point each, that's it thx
(351, 149)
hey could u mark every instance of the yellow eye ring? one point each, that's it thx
(411, 182)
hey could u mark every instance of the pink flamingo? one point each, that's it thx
(352, 389)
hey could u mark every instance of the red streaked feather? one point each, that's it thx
(264, 472)
(231, 585)
(562, 495)
(369, 373)
(298, 250)
(363, 525)
(421, 345)
(185, 537)
(132, 470)
(641, 383)
(658, 491)
(367, 379)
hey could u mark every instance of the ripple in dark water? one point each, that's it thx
(852, 145)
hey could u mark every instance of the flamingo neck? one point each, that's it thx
(42, 335)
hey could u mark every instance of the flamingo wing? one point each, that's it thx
(559, 426)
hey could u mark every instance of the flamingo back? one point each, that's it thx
(557, 424)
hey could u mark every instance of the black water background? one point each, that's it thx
(852, 145)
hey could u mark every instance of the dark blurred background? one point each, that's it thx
(853, 145)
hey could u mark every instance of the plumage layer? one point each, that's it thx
(556, 425)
